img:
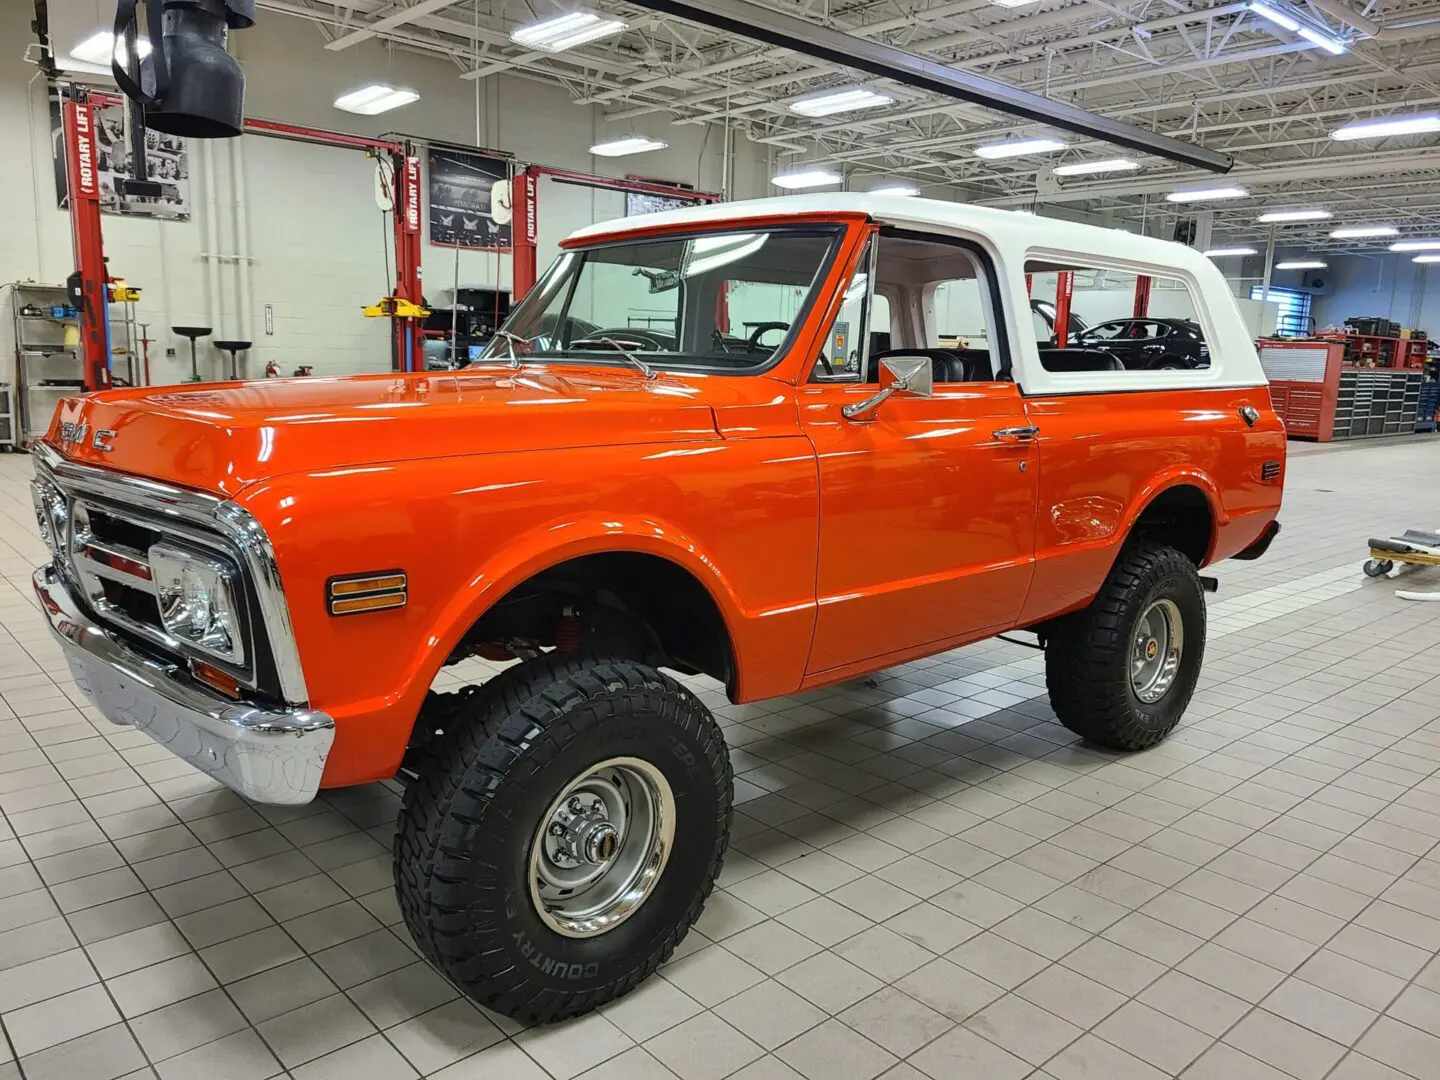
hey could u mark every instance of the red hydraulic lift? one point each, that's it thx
(404, 158)
(525, 200)
(1142, 296)
(1064, 288)
(88, 285)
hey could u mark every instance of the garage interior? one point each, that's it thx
(929, 878)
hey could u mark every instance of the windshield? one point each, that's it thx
(721, 301)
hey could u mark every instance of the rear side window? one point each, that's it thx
(1119, 321)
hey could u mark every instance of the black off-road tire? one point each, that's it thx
(1087, 654)
(503, 752)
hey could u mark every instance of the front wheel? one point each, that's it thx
(1377, 567)
(562, 832)
(1121, 672)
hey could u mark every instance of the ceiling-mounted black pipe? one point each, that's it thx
(746, 19)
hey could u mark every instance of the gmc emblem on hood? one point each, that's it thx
(73, 432)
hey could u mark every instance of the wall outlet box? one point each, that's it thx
(170, 351)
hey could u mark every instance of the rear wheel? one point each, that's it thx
(1121, 672)
(562, 832)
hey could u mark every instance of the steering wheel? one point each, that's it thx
(624, 335)
(753, 341)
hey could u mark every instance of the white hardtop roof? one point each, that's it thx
(923, 214)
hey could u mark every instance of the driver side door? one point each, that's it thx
(927, 505)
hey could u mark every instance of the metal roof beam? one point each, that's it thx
(809, 39)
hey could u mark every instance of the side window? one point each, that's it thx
(934, 298)
(1119, 320)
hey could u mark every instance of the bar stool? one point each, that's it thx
(192, 332)
(233, 348)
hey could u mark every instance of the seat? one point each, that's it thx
(978, 362)
(1079, 360)
(946, 365)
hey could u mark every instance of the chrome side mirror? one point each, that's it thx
(907, 374)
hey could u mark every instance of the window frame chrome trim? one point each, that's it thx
(211, 514)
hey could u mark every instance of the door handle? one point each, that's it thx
(1017, 434)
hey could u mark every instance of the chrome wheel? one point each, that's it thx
(1155, 656)
(601, 847)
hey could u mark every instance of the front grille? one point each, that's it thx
(106, 557)
(104, 528)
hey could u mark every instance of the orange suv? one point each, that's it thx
(723, 440)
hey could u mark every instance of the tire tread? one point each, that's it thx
(486, 732)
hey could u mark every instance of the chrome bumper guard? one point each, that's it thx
(266, 754)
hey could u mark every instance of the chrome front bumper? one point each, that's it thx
(266, 754)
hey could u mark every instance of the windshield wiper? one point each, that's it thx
(645, 368)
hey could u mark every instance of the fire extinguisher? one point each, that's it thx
(272, 370)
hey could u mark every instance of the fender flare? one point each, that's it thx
(556, 542)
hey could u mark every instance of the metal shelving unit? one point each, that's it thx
(45, 368)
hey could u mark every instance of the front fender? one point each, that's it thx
(740, 516)
(555, 542)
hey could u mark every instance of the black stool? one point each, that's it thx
(192, 332)
(233, 348)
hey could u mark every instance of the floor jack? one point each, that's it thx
(1413, 546)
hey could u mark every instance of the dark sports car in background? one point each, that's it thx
(1149, 343)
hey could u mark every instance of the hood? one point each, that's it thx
(220, 437)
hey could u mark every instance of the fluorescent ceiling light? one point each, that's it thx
(98, 47)
(895, 189)
(1416, 245)
(1334, 46)
(1426, 259)
(373, 99)
(1011, 3)
(1380, 129)
(566, 31)
(1279, 18)
(1085, 168)
(1221, 253)
(1300, 264)
(1018, 148)
(805, 178)
(1271, 216)
(629, 144)
(1357, 232)
(1205, 194)
(839, 101)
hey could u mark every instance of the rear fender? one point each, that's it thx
(1173, 477)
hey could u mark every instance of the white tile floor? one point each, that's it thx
(928, 878)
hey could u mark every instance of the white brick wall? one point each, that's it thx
(314, 233)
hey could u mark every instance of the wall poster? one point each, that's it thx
(461, 183)
(166, 158)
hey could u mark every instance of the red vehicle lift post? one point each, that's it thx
(1064, 288)
(87, 285)
(525, 202)
(1142, 296)
(404, 158)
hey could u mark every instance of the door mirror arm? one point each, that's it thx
(908, 374)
